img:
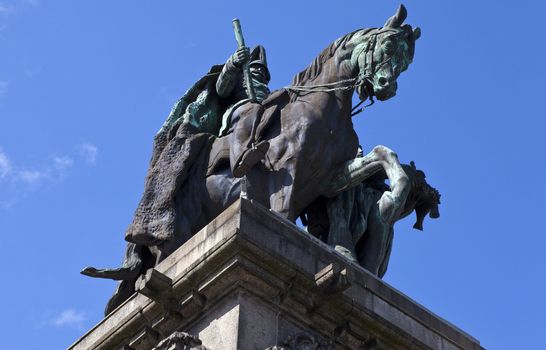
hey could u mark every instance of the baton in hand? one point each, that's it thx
(246, 68)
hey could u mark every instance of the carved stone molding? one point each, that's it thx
(249, 280)
(302, 341)
(180, 341)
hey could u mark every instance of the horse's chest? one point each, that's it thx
(331, 143)
(318, 137)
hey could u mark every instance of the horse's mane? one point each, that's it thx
(313, 70)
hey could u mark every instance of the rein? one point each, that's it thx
(370, 69)
(329, 87)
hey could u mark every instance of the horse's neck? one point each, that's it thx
(340, 69)
(336, 69)
(335, 76)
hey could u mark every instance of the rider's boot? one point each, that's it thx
(254, 151)
(250, 157)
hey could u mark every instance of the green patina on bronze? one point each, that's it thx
(199, 106)
(288, 153)
(209, 103)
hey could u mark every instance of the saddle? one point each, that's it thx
(265, 113)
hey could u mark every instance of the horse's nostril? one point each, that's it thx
(382, 81)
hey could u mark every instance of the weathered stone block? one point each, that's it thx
(251, 280)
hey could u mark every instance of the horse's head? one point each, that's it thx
(422, 197)
(384, 54)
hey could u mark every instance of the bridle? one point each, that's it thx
(364, 78)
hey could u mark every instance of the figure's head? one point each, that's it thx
(422, 197)
(387, 53)
(258, 64)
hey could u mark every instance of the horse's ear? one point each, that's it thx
(398, 18)
(416, 33)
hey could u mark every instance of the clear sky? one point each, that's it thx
(84, 86)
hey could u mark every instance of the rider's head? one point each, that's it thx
(258, 64)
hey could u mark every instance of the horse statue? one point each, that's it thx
(312, 149)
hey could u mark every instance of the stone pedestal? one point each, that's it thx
(251, 280)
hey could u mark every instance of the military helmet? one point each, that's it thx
(258, 58)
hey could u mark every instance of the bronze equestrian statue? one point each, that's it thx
(292, 146)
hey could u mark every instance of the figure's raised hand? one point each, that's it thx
(241, 56)
(89, 271)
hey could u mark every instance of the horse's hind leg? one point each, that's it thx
(280, 203)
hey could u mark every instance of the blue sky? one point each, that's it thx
(84, 86)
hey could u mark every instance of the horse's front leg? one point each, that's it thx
(358, 170)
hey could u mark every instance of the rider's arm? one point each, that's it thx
(228, 78)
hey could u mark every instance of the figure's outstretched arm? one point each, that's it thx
(130, 269)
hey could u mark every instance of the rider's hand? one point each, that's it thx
(241, 56)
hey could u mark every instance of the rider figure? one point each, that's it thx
(231, 85)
